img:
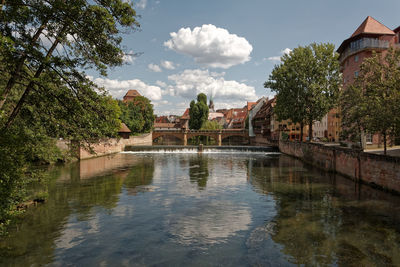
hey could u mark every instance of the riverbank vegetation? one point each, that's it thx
(45, 46)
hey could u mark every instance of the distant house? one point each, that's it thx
(183, 122)
(130, 96)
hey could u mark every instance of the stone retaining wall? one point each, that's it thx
(115, 145)
(380, 170)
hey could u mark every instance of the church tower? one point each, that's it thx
(211, 105)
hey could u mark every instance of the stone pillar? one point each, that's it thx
(219, 138)
(185, 138)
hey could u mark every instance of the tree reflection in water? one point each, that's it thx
(198, 170)
(79, 188)
(321, 221)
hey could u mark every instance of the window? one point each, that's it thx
(356, 74)
(356, 58)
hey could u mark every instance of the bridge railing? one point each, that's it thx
(202, 131)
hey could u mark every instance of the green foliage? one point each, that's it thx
(211, 125)
(138, 115)
(198, 112)
(307, 83)
(44, 93)
(372, 103)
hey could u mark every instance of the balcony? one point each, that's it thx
(362, 44)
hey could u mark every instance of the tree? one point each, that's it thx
(55, 38)
(198, 112)
(307, 84)
(138, 115)
(372, 102)
(45, 46)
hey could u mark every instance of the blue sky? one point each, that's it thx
(227, 49)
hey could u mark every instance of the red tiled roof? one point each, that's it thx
(186, 114)
(124, 128)
(250, 105)
(132, 93)
(371, 25)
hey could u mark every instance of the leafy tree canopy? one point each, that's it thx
(138, 115)
(198, 112)
(306, 83)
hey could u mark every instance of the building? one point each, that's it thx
(320, 129)
(183, 122)
(252, 113)
(370, 36)
(124, 131)
(130, 96)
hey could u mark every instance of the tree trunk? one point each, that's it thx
(301, 131)
(14, 76)
(310, 131)
(384, 142)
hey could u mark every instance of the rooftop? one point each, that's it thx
(124, 128)
(372, 26)
(132, 93)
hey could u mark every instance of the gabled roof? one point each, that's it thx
(132, 93)
(250, 105)
(124, 128)
(186, 114)
(372, 26)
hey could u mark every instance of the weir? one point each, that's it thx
(204, 149)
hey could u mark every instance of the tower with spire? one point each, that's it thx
(211, 105)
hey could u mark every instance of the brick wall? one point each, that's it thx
(382, 171)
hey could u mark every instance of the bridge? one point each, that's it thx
(217, 135)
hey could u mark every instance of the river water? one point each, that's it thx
(212, 209)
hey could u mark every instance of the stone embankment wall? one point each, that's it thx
(108, 146)
(379, 170)
(115, 145)
(259, 140)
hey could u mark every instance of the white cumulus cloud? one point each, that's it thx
(154, 67)
(167, 65)
(285, 51)
(211, 46)
(118, 88)
(189, 83)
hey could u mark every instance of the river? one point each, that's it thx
(219, 208)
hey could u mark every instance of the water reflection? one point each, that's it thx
(210, 209)
(323, 219)
(198, 170)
